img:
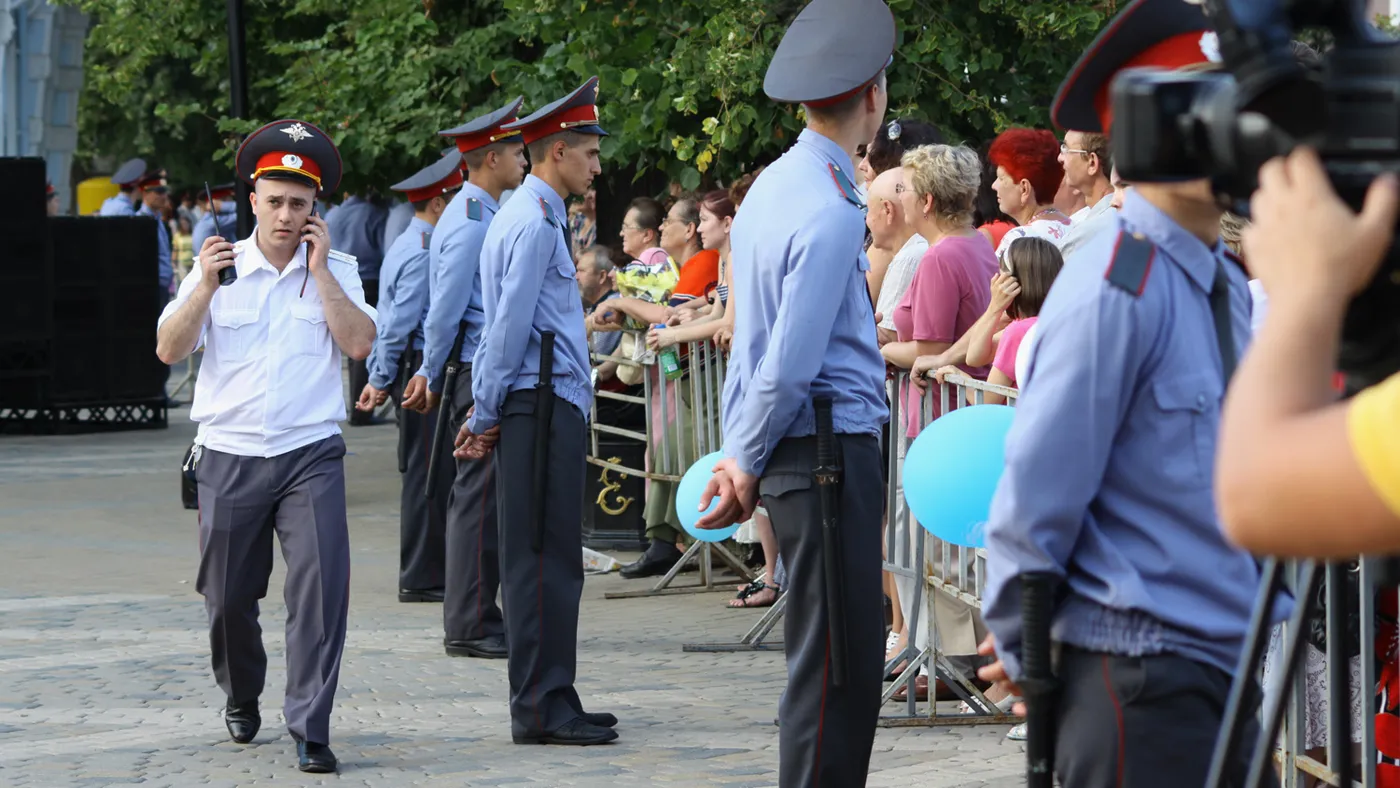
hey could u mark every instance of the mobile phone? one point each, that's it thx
(228, 275)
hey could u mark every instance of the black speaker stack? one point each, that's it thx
(78, 325)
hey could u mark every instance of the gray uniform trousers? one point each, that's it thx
(242, 501)
(541, 591)
(1142, 721)
(422, 522)
(826, 732)
(469, 609)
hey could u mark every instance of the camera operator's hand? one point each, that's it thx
(1305, 242)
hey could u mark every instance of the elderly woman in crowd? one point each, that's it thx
(949, 292)
(1028, 176)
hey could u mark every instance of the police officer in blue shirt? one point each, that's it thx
(357, 225)
(473, 625)
(155, 196)
(528, 291)
(222, 207)
(1110, 459)
(804, 334)
(398, 352)
(125, 201)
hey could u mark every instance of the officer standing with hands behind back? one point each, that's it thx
(398, 352)
(269, 455)
(537, 422)
(805, 341)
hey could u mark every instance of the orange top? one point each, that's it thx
(699, 275)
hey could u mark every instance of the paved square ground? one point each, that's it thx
(105, 679)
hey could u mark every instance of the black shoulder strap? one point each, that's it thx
(1131, 263)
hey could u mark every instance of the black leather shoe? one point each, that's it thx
(489, 647)
(315, 758)
(575, 732)
(242, 720)
(653, 563)
(600, 718)
(426, 595)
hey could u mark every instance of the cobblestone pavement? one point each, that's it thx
(105, 679)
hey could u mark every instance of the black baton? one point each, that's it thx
(405, 374)
(449, 391)
(544, 413)
(1038, 683)
(828, 473)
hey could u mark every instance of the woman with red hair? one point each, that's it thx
(1028, 175)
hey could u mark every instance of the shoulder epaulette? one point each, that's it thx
(844, 185)
(548, 212)
(335, 254)
(427, 236)
(1131, 263)
(474, 209)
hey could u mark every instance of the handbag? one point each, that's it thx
(189, 486)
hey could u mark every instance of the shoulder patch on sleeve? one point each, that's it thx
(427, 238)
(336, 254)
(1131, 263)
(844, 185)
(548, 212)
(474, 209)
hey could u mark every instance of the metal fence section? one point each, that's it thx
(938, 575)
(682, 425)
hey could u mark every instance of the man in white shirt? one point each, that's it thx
(270, 456)
(889, 230)
(1087, 162)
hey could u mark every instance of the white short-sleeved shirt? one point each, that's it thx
(898, 277)
(270, 381)
(1052, 230)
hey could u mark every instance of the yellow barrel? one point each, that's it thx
(92, 192)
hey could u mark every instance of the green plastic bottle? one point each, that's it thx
(669, 360)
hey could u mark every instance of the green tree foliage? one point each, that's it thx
(681, 80)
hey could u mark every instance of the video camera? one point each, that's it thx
(1225, 124)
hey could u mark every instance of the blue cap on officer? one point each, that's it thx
(438, 178)
(129, 173)
(832, 51)
(486, 129)
(578, 111)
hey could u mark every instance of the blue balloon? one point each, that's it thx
(688, 500)
(951, 472)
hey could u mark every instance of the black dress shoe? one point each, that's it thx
(315, 758)
(242, 720)
(653, 563)
(426, 595)
(489, 647)
(576, 732)
(600, 718)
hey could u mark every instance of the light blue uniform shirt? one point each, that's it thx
(1110, 459)
(804, 328)
(403, 301)
(456, 281)
(228, 222)
(162, 246)
(117, 205)
(528, 286)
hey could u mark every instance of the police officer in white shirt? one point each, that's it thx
(270, 457)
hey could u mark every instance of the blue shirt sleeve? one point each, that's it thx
(821, 256)
(1068, 417)
(454, 282)
(410, 297)
(502, 350)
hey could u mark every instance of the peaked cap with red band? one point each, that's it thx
(577, 111)
(832, 51)
(291, 150)
(223, 191)
(153, 181)
(129, 173)
(49, 190)
(482, 131)
(1165, 34)
(440, 177)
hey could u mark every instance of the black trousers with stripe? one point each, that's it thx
(422, 522)
(827, 732)
(541, 591)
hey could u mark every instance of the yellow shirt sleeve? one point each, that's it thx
(1373, 422)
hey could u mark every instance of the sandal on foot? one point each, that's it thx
(745, 598)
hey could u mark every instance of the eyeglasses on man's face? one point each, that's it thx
(1065, 148)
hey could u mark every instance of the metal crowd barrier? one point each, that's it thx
(682, 425)
(953, 572)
